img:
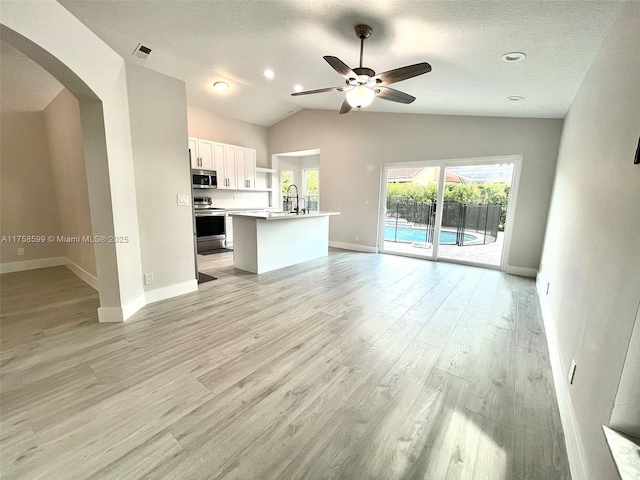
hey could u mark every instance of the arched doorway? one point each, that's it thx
(94, 74)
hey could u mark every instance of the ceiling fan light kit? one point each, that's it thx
(360, 96)
(362, 83)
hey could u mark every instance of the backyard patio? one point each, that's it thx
(488, 254)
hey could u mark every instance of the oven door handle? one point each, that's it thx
(209, 214)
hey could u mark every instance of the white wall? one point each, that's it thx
(46, 32)
(234, 199)
(212, 126)
(354, 146)
(592, 250)
(69, 178)
(28, 204)
(158, 109)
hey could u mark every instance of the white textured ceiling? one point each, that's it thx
(201, 42)
(25, 85)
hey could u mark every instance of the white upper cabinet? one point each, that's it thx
(193, 153)
(250, 167)
(240, 167)
(246, 168)
(201, 152)
(235, 166)
(205, 148)
(230, 180)
(218, 163)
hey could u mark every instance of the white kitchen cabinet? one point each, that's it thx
(241, 181)
(246, 168)
(201, 152)
(250, 167)
(193, 153)
(218, 163)
(235, 166)
(230, 176)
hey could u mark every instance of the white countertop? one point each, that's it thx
(281, 215)
(247, 209)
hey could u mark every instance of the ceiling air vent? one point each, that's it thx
(141, 51)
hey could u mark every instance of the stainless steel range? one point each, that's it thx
(210, 232)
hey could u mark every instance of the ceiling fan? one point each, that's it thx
(362, 83)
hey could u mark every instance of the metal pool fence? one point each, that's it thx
(481, 220)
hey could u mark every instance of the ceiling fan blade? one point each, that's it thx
(387, 93)
(320, 90)
(402, 73)
(340, 67)
(346, 108)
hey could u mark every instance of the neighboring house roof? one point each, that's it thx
(397, 175)
(482, 173)
(402, 175)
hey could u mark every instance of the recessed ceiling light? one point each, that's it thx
(298, 88)
(515, 98)
(513, 57)
(221, 86)
(269, 74)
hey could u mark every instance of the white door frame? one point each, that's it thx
(516, 160)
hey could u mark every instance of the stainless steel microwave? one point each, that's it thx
(204, 179)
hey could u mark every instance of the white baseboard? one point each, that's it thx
(353, 246)
(32, 264)
(163, 293)
(121, 314)
(105, 314)
(91, 280)
(50, 262)
(569, 424)
(521, 271)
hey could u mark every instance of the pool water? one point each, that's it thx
(409, 234)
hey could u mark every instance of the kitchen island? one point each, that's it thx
(266, 241)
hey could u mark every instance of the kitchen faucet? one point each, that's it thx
(297, 197)
(304, 200)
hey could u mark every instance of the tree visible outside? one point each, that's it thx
(311, 182)
(286, 179)
(473, 194)
(477, 194)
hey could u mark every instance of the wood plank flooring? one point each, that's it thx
(354, 366)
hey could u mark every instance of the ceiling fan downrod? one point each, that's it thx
(363, 32)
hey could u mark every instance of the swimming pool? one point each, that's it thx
(413, 234)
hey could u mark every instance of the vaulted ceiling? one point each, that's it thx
(202, 42)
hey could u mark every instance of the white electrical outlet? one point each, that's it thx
(148, 278)
(572, 370)
(183, 200)
(357, 238)
(21, 251)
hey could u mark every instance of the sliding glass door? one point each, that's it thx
(455, 210)
(409, 214)
(476, 199)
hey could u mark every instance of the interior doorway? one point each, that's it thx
(454, 210)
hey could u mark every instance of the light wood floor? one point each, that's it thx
(356, 366)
